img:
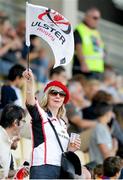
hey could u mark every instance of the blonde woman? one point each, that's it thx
(46, 154)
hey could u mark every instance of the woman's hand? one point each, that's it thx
(74, 146)
(28, 75)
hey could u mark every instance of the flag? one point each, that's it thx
(52, 27)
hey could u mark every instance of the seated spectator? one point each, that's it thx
(11, 92)
(91, 87)
(90, 113)
(109, 84)
(59, 74)
(20, 29)
(101, 144)
(11, 123)
(73, 108)
(99, 97)
(111, 168)
(98, 172)
(14, 54)
(10, 45)
(81, 79)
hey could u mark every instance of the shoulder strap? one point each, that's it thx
(64, 121)
(56, 135)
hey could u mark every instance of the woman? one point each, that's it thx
(46, 155)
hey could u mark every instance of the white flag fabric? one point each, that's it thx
(52, 27)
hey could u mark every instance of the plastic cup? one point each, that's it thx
(73, 137)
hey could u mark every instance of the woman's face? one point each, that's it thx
(56, 97)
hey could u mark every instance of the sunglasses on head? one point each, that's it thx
(55, 93)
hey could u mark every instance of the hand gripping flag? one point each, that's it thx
(52, 27)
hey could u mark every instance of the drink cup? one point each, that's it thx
(73, 137)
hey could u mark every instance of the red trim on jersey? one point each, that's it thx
(50, 120)
(45, 147)
(32, 144)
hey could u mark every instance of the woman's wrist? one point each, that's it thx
(29, 91)
(30, 88)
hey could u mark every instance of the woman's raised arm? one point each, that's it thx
(30, 90)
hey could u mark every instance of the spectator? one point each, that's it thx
(101, 144)
(91, 87)
(59, 74)
(109, 85)
(10, 125)
(111, 168)
(99, 97)
(46, 164)
(81, 79)
(11, 92)
(10, 35)
(98, 172)
(114, 125)
(9, 45)
(89, 47)
(20, 29)
(74, 108)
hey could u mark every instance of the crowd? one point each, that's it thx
(90, 104)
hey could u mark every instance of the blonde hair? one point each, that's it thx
(44, 104)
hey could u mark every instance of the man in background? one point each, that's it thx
(11, 123)
(59, 74)
(89, 47)
(11, 92)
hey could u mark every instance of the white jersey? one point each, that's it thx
(46, 149)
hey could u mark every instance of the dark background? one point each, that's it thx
(107, 8)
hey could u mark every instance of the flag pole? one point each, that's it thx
(28, 46)
(28, 62)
